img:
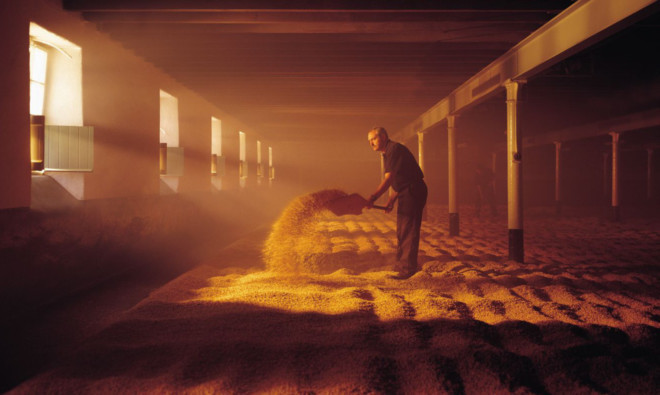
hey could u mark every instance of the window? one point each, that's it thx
(216, 136)
(169, 119)
(58, 139)
(260, 172)
(55, 78)
(243, 169)
(271, 169)
(171, 155)
(38, 63)
(217, 160)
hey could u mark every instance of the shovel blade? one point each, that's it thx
(351, 204)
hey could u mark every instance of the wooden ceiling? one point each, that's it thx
(306, 70)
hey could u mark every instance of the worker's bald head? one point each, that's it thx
(378, 138)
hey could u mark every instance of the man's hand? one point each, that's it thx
(371, 200)
(384, 185)
(390, 203)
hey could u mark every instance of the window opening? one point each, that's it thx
(38, 64)
(171, 155)
(58, 139)
(242, 170)
(217, 168)
(271, 169)
(217, 160)
(260, 173)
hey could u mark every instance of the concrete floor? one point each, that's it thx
(36, 340)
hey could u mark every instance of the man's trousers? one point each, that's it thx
(408, 224)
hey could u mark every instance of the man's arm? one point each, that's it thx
(390, 203)
(384, 185)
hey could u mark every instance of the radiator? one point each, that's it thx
(175, 161)
(69, 148)
(219, 165)
(243, 170)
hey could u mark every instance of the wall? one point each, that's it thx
(102, 223)
(122, 102)
(230, 149)
(14, 106)
(195, 137)
(120, 99)
(56, 250)
(351, 166)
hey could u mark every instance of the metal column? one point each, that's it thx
(420, 149)
(514, 173)
(452, 176)
(382, 175)
(649, 174)
(616, 212)
(606, 158)
(558, 178)
(382, 168)
(493, 162)
(493, 168)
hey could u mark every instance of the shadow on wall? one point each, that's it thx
(61, 245)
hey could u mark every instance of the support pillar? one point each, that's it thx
(616, 211)
(452, 176)
(605, 196)
(514, 173)
(382, 174)
(649, 175)
(420, 149)
(493, 167)
(558, 200)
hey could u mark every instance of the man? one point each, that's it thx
(405, 177)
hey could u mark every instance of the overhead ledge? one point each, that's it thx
(626, 123)
(579, 26)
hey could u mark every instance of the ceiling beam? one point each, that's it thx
(310, 5)
(278, 16)
(445, 31)
(236, 35)
(584, 23)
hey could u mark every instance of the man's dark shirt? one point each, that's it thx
(402, 164)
